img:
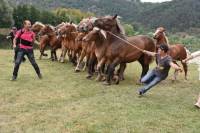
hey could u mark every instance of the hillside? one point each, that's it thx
(177, 15)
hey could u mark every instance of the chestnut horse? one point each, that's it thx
(88, 48)
(54, 41)
(118, 51)
(98, 36)
(176, 51)
(68, 35)
(43, 40)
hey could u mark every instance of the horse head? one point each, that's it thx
(48, 29)
(37, 26)
(160, 36)
(96, 34)
(159, 32)
(67, 29)
(86, 24)
(110, 23)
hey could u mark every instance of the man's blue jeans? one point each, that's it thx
(30, 55)
(150, 80)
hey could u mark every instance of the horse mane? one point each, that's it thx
(51, 27)
(75, 25)
(39, 23)
(187, 51)
(167, 40)
(120, 28)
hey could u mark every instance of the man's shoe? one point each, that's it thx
(14, 78)
(141, 92)
(24, 60)
(197, 105)
(40, 76)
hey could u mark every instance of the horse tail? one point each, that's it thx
(187, 51)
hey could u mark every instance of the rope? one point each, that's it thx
(126, 41)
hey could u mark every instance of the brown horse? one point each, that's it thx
(80, 47)
(68, 35)
(54, 41)
(176, 51)
(98, 37)
(88, 48)
(118, 51)
(37, 26)
(43, 40)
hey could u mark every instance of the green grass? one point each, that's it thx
(64, 101)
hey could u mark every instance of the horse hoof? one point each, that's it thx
(45, 54)
(77, 70)
(117, 82)
(98, 79)
(89, 76)
(106, 83)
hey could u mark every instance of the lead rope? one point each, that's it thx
(126, 41)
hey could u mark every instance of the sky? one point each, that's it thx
(154, 0)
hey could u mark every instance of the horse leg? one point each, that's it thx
(74, 58)
(90, 71)
(175, 72)
(62, 56)
(111, 69)
(121, 70)
(83, 53)
(55, 55)
(41, 54)
(185, 68)
(145, 68)
(100, 69)
(52, 56)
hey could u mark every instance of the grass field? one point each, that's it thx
(64, 101)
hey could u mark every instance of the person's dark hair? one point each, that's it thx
(26, 21)
(164, 47)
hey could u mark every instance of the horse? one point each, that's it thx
(43, 40)
(177, 51)
(118, 51)
(80, 48)
(37, 26)
(54, 41)
(88, 48)
(68, 34)
(98, 37)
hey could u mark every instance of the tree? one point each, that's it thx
(6, 19)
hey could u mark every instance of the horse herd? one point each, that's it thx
(103, 44)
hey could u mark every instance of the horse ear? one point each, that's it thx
(115, 16)
(71, 22)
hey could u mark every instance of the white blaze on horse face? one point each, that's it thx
(157, 31)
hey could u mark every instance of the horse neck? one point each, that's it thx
(99, 41)
(52, 38)
(162, 39)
